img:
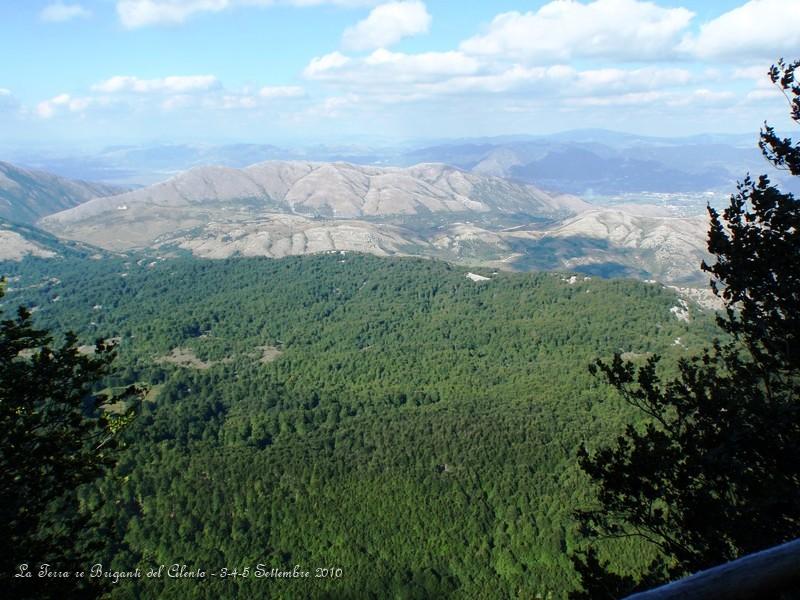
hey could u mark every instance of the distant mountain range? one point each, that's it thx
(338, 190)
(145, 165)
(585, 162)
(281, 208)
(597, 169)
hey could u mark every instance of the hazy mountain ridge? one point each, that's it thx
(337, 190)
(27, 195)
(278, 209)
(598, 168)
(695, 163)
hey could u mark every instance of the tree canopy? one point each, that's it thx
(712, 474)
(53, 438)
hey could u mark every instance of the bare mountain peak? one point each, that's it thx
(280, 208)
(334, 190)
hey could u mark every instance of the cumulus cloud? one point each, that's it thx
(397, 76)
(754, 72)
(762, 94)
(48, 108)
(423, 66)
(649, 78)
(233, 100)
(701, 97)
(59, 12)
(757, 29)
(281, 91)
(176, 84)
(698, 97)
(140, 13)
(392, 76)
(143, 13)
(565, 29)
(387, 24)
(197, 92)
(383, 65)
(332, 107)
(320, 66)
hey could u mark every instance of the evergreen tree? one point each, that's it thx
(53, 438)
(712, 473)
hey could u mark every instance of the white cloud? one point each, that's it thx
(333, 106)
(564, 81)
(385, 66)
(277, 91)
(177, 102)
(611, 81)
(388, 76)
(424, 66)
(703, 97)
(59, 12)
(759, 95)
(140, 13)
(542, 81)
(321, 65)
(387, 24)
(176, 84)
(630, 99)
(135, 95)
(235, 100)
(232, 101)
(48, 108)
(754, 72)
(653, 98)
(759, 28)
(565, 29)
(143, 13)
(395, 76)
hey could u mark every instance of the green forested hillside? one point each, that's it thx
(391, 418)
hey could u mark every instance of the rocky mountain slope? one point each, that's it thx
(18, 241)
(336, 190)
(662, 246)
(26, 195)
(278, 209)
(14, 246)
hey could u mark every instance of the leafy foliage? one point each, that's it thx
(53, 439)
(712, 475)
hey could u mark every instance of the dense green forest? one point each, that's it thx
(387, 417)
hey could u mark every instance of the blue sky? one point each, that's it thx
(89, 72)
